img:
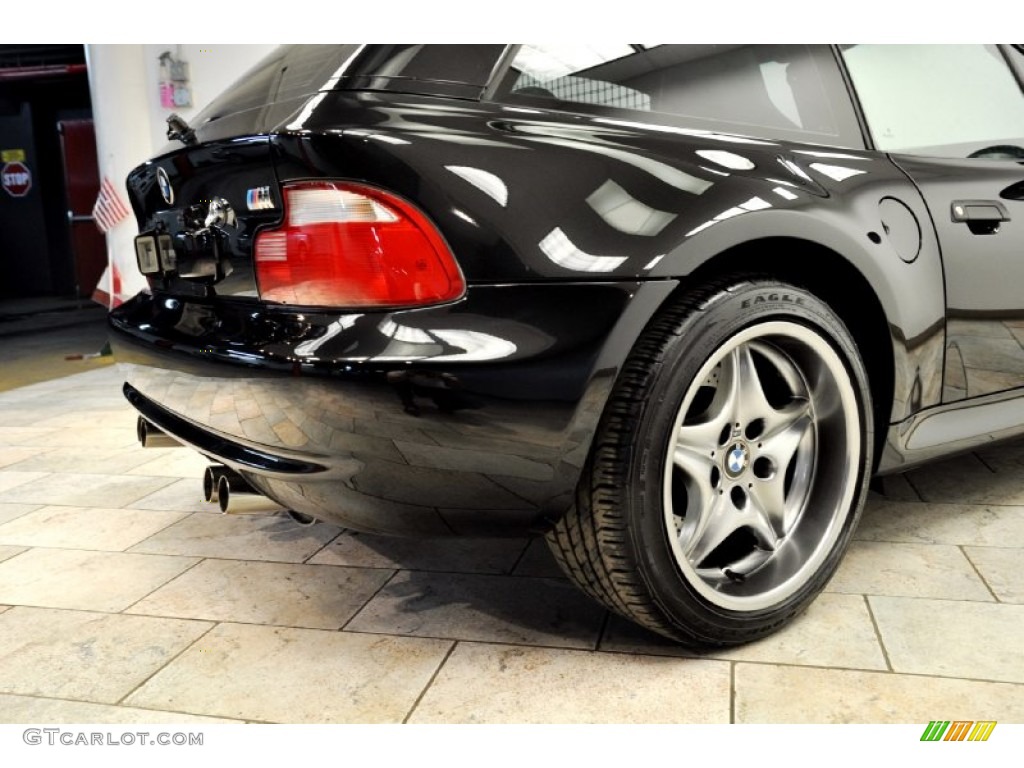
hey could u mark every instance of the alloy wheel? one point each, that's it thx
(762, 466)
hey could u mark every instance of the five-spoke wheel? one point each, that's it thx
(759, 479)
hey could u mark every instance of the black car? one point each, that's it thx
(671, 306)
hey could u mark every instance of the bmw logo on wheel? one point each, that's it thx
(737, 459)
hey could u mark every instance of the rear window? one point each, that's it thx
(286, 72)
(776, 91)
(293, 71)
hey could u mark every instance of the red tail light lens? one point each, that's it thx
(347, 245)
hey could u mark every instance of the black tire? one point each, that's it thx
(757, 390)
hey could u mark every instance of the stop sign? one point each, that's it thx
(16, 179)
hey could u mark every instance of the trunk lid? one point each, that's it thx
(208, 200)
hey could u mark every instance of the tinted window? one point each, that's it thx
(292, 71)
(286, 72)
(468, 64)
(940, 100)
(778, 91)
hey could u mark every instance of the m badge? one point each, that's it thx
(259, 199)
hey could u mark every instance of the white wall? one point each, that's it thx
(131, 125)
(212, 69)
(117, 84)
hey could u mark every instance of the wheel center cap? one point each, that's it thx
(737, 459)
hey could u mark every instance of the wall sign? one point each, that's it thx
(174, 88)
(16, 179)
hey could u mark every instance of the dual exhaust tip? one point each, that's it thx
(151, 436)
(222, 485)
(233, 494)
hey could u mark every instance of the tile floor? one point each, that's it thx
(124, 598)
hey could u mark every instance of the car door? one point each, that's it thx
(952, 117)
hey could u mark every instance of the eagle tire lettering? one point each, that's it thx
(772, 298)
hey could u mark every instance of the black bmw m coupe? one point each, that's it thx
(672, 307)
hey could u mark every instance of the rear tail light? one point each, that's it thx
(347, 245)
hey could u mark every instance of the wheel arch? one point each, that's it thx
(894, 304)
(836, 281)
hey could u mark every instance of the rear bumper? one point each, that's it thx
(473, 418)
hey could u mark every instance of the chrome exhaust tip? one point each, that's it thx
(211, 482)
(233, 494)
(237, 497)
(153, 437)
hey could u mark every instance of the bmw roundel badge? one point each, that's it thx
(737, 460)
(166, 190)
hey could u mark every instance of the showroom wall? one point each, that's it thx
(212, 68)
(131, 123)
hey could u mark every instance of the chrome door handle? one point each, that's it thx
(979, 210)
(982, 217)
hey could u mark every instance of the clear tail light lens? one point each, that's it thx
(348, 245)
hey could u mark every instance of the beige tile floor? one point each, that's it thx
(124, 598)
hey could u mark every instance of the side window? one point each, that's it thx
(775, 91)
(939, 100)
